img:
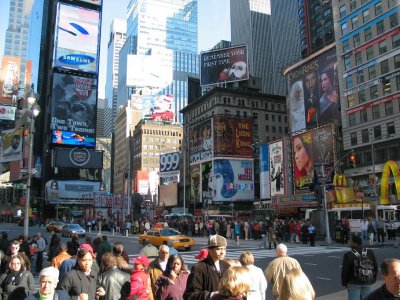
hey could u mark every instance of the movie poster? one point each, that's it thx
(276, 168)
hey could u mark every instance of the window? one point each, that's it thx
(371, 72)
(365, 15)
(361, 96)
(266, 128)
(390, 128)
(346, 45)
(356, 40)
(351, 100)
(273, 118)
(370, 53)
(349, 82)
(354, 22)
(396, 40)
(367, 34)
(364, 116)
(353, 5)
(393, 20)
(386, 86)
(255, 116)
(377, 133)
(342, 10)
(345, 30)
(347, 63)
(360, 77)
(378, 8)
(384, 67)
(352, 119)
(389, 108)
(279, 118)
(273, 129)
(358, 58)
(266, 117)
(353, 138)
(380, 27)
(365, 136)
(382, 47)
(392, 3)
(375, 112)
(397, 61)
(373, 91)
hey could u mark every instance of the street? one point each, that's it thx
(321, 263)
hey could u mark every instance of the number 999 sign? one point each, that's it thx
(169, 162)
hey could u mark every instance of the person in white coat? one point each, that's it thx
(258, 282)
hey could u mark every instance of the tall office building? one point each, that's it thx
(115, 43)
(270, 30)
(17, 33)
(154, 27)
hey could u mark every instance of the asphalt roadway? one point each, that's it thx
(321, 263)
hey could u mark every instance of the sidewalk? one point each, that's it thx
(342, 294)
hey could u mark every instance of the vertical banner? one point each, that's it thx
(200, 142)
(11, 145)
(206, 191)
(276, 168)
(195, 183)
(9, 80)
(265, 191)
(288, 165)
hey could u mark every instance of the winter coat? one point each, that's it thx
(171, 290)
(60, 294)
(76, 282)
(10, 291)
(140, 285)
(116, 283)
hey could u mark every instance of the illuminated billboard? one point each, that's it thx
(233, 137)
(169, 168)
(7, 112)
(73, 110)
(9, 81)
(277, 168)
(11, 145)
(312, 150)
(232, 180)
(224, 65)
(200, 142)
(265, 190)
(156, 108)
(77, 38)
(313, 92)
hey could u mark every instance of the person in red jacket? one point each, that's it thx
(140, 280)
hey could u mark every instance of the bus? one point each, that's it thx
(356, 212)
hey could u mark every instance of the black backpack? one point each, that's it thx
(363, 267)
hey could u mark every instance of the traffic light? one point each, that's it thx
(352, 159)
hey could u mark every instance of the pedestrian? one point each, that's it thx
(205, 275)
(345, 230)
(271, 236)
(237, 232)
(311, 234)
(279, 267)
(304, 232)
(364, 230)
(41, 243)
(148, 250)
(296, 286)
(63, 255)
(140, 280)
(158, 266)
(380, 228)
(371, 230)
(103, 247)
(258, 285)
(234, 285)
(357, 288)
(390, 269)
(14, 249)
(121, 257)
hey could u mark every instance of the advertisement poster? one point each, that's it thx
(276, 168)
(11, 145)
(206, 191)
(233, 137)
(224, 65)
(7, 112)
(265, 191)
(232, 180)
(314, 92)
(200, 142)
(312, 151)
(169, 168)
(195, 182)
(73, 110)
(9, 80)
(77, 38)
(142, 182)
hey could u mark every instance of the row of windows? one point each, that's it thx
(273, 129)
(375, 113)
(160, 132)
(382, 154)
(377, 7)
(372, 135)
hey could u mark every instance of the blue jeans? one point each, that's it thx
(358, 291)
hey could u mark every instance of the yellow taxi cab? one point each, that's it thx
(167, 236)
(55, 226)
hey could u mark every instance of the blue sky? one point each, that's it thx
(213, 16)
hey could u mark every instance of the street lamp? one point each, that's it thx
(371, 134)
(33, 112)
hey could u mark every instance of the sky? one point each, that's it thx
(213, 21)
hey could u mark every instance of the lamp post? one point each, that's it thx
(34, 111)
(371, 134)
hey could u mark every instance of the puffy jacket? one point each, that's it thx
(116, 283)
(140, 285)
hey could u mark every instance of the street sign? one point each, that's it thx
(18, 186)
(25, 171)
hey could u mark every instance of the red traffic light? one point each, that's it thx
(352, 160)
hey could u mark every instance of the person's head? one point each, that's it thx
(104, 238)
(48, 279)
(246, 258)
(235, 282)
(296, 286)
(238, 70)
(108, 261)
(63, 247)
(310, 80)
(281, 250)
(302, 152)
(327, 80)
(296, 93)
(14, 247)
(232, 262)
(141, 263)
(16, 263)
(163, 253)
(355, 241)
(175, 263)
(390, 269)
(224, 177)
(216, 247)
(84, 258)
(118, 248)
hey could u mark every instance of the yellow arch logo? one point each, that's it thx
(390, 165)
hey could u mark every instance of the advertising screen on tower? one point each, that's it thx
(313, 92)
(224, 65)
(73, 110)
(77, 38)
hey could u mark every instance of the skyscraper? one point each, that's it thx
(271, 32)
(116, 41)
(17, 33)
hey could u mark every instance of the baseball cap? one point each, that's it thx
(87, 247)
(216, 241)
(141, 260)
(203, 253)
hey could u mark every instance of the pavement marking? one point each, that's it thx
(310, 264)
(324, 278)
(334, 256)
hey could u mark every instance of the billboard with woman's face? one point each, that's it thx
(313, 92)
(312, 151)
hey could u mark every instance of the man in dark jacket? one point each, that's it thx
(390, 269)
(205, 275)
(357, 289)
(103, 247)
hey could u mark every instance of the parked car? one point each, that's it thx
(55, 226)
(69, 229)
(170, 236)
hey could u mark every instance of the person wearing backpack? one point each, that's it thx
(359, 269)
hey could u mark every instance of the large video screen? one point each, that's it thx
(73, 110)
(77, 38)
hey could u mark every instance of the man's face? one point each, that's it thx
(163, 254)
(14, 248)
(217, 253)
(392, 280)
(310, 81)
